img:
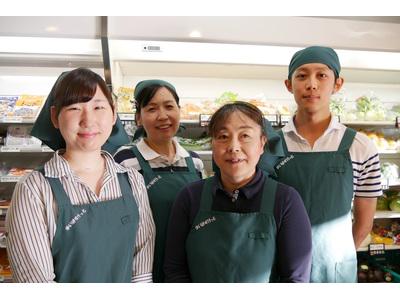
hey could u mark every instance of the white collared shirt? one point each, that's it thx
(157, 161)
(363, 153)
(32, 218)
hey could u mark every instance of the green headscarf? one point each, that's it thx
(44, 130)
(145, 83)
(315, 54)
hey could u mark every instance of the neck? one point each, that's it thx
(230, 185)
(85, 162)
(166, 148)
(311, 126)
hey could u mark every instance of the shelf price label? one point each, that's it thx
(273, 119)
(204, 119)
(9, 178)
(376, 249)
(10, 149)
(127, 116)
(16, 119)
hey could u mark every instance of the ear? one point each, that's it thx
(138, 119)
(263, 142)
(288, 84)
(53, 116)
(115, 116)
(338, 84)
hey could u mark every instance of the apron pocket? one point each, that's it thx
(126, 219)
(346, 271)
(258, 235)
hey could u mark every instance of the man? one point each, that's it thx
(329, 165)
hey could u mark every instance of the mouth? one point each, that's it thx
(87, 135)
(311, 97)
(163, 127)
(235, 161)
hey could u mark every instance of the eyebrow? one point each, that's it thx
(241, 127)
(308, 69)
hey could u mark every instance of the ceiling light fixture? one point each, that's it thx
(195, 34)
(51, 28)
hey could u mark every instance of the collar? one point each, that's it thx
(249, 190)
(149, 154)
(291, 127)
(58, 166)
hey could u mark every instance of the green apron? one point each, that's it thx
(95, 242)
(162, 188)
(325, 183)
(233, 247)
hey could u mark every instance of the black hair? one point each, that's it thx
(77, 86)
(145, 95)
(223, 113)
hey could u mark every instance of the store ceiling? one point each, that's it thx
(363, 33)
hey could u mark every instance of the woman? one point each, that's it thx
(165, 165)
(81, 217)
(240, 225)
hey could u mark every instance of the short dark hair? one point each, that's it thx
(77, 86)
(223, 113)
(144, 97)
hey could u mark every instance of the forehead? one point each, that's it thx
(238, 120)
(313, 67)
(162, 95)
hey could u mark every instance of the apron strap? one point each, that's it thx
(142, 162)
(206, 194)
(59, 193)
(190, 164)
(347, 139)
(285, 148)
(125, 186)
(268, 196)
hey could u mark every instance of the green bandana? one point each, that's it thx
(44, 130)
(146, 83)
(315, 54)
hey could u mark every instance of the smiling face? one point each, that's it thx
(237, 146)
(160, 117)
(312, 86)
(85, 126)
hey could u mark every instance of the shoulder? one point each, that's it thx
(362, 148)
(124, 153)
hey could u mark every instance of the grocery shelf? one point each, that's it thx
(386, 214)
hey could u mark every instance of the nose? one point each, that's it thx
(234, 145)
(312, 83)
(162, 114)
(87, 118)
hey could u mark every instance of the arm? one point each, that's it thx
(145, 237)
(363, 214)
(175, 264)
(294, 236)
(28, 241)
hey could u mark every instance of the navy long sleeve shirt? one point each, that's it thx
(292, 223)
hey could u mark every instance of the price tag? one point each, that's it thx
(127, 117)
(12, 119)
(10, 149)
(9, 179)
(273, 119)
(376, 249)
(204, 120)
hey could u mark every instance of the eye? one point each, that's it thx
(72, 108)
(100, 107)
(300, 76)
(151, 109)
(323, 75)
(222, 137)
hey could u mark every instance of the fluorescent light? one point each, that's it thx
(40, 45)
(195, 34)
